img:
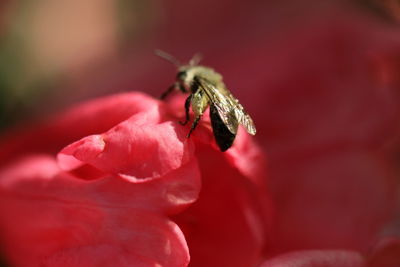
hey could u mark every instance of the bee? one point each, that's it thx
(207, 89)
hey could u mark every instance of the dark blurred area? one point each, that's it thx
(54, 53)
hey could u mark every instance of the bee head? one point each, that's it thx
(183, 78)
(181, 75)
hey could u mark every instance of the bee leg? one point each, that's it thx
(169, 90)
(194, 124)
(187, 106)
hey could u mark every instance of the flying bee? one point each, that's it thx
(206, 89)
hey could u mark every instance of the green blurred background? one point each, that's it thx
(45, 45)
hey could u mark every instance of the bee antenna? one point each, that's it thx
(196, 59)
(167, 57)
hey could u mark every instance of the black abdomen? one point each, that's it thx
(222, 134)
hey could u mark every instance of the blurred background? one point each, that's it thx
(54, 53)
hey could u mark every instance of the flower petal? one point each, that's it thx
(317, 258)
(329, 195)
(385, 253)
(61, 220)
(133, 150)
(91, 117)
(225, 226)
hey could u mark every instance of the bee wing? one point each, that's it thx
(228, 107)
(244, 118)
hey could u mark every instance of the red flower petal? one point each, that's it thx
(386, 253)
(111, 197)
(94, 116)
(324, 122)
(62, 220)
(334, 191)
(132, 149)
(53, 218)
(225, 226)
(317, 258)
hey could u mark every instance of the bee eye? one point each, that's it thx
(181, 75)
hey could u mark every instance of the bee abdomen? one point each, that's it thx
(222, 135)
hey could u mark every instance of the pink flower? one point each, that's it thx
(108, 198)
(322, 87)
